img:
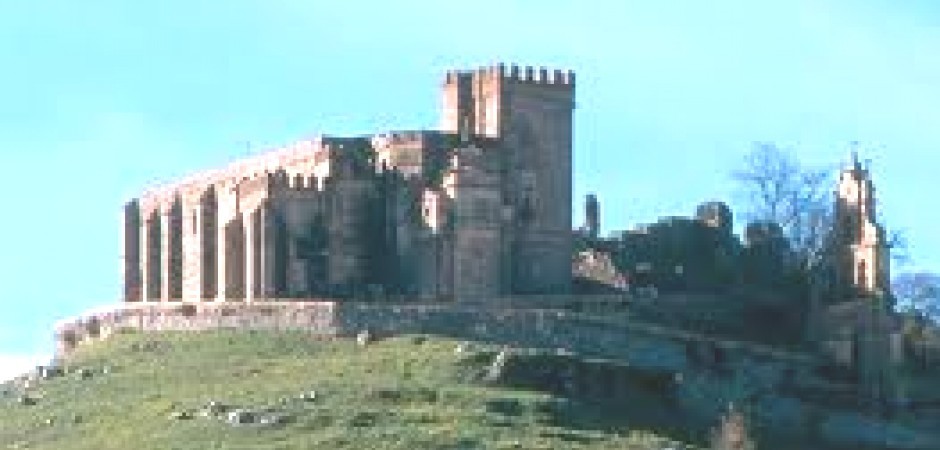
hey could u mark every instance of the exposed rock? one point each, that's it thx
(497, 368)
(309, 396)
(364, 338)
(272, 419)
(181, 415)
(240, 417)
(598, 272)
(213, 409)
(49, 372)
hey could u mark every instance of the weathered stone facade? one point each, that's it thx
(480, 208)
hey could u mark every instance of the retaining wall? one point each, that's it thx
(517, 324)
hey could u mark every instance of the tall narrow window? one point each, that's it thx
(862, 276)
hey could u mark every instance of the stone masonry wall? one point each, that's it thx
(512, 321)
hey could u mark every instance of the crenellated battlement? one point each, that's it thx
(281, 181)
(516, 74)
(302, 183)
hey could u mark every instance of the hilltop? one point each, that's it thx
(185, 390)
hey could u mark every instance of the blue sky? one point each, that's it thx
(100, 99)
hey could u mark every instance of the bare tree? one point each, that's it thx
(784, 191)
(798, 198)
(918, 292)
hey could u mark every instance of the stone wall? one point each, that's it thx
(511, 321)
(316, 317)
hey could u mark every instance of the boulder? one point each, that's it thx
(240, 417)
(273, 419)
(496, 369)
(49, 372)
(213, 409)
(309, 396)
(181, 415)
(364, 338)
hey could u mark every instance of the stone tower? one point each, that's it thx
(528, 112)
(861, 251)
(592, 216)
(472, 185)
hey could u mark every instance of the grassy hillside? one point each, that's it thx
(154, 392)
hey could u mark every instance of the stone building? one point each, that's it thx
(592, 217)
(481, 207)
(856, 256)
(851, 315)
(862, 260)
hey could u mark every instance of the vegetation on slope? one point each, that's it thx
(178, 390)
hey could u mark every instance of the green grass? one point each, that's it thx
(400, 393)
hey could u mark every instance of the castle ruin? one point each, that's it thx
(481, 207)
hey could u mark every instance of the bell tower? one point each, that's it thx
(862, 251)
